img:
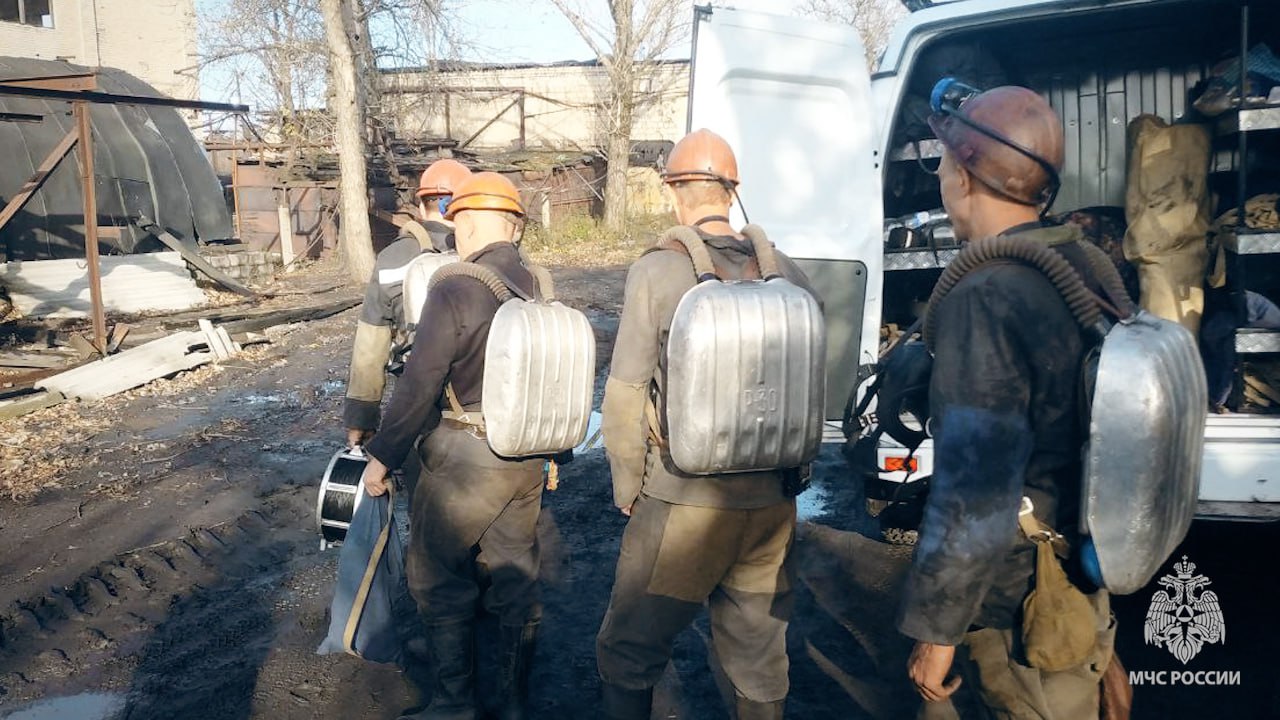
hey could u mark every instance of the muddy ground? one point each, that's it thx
(175, 571)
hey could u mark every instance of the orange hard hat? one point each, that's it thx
(441, 177)
(485, 191)
(701, 155)
(1010, 139)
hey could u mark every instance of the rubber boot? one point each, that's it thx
(619, 703)
(752, 710)
(453, 655)
(518, 644)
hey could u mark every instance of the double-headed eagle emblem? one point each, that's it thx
(1184, 616)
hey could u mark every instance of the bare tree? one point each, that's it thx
(280, 55)
(397, 33)
(356, 243)
(874, 19)
(637, 35)
(273, 55)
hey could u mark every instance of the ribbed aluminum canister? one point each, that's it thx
(745, 377)
(1146, 445)
(539, 374)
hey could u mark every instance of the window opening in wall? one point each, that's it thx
(28, 12)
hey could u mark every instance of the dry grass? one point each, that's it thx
(38, 450)
(581, 241)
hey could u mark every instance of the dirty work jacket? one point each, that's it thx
(381, 317)
(1005, 406)
(448, 348)
(655, 284)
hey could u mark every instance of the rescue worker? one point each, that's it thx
(467, 498)
(1006, 421)
(723, 540)
(382, 316)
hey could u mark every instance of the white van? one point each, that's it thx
(814, 134)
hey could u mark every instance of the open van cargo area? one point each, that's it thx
(1101, 68)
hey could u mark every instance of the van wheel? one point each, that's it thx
(898, 536)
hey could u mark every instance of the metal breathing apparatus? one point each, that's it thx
(948, 98)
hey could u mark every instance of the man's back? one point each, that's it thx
(655, 284)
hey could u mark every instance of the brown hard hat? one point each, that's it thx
(441, 177)
(701, 155)
(485, 191)
(1028, 143)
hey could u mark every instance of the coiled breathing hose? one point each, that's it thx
(475, 272)
(1084, 305)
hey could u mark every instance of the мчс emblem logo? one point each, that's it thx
(1184, 616)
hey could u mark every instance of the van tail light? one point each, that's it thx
(901, 464)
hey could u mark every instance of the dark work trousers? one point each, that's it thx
(469, 499)
(674, 559)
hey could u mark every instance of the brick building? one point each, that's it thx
(154, 40)
(549, 106)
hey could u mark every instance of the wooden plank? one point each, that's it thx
(245, 339)
(284, 317)
(194, 258)
(286, 235)
(246, 311)
(28, 359)
(131, 368)
(218, 341)
(1255, 397)
(1262, 388)
(31, 403)
(29, 188)
(84, 349)
(232, 345)
(119, 332)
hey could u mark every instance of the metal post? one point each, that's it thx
(1242, 138)
(700, 13)
(235, 174)
(84, 144)
(522, 138)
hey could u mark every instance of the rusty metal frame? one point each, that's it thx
(106, 98)
(20, 117)
(84, 143)
(80, 90)
(72, 82)
(33, 184)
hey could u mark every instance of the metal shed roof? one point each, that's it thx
(147, 162)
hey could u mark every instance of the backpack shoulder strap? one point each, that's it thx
(419, 233)
(764, 251)
(546, 287)
(686, 241)
(500, 288)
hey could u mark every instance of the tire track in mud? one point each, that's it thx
(180, 624)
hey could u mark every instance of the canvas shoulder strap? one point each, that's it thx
(501, 289)
(416, 230)
(366, 583)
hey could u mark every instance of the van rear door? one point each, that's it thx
(793, 98)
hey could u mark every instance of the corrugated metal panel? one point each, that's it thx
(1095, 106)
(146, 161)
(130, 284)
